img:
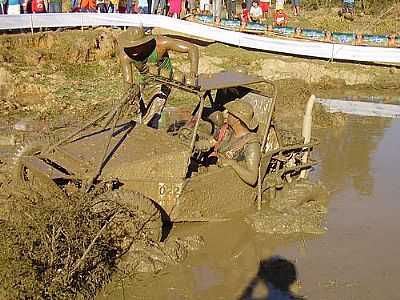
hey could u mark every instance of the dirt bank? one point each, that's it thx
(75, 74)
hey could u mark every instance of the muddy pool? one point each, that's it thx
(356, 258)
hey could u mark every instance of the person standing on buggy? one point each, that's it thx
(137, 52)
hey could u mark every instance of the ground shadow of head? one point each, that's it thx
(278, 274)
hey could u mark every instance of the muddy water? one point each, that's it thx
(355, 259)
(358, 257)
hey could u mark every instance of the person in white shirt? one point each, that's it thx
(279, 4)
(204, 7)
(256, 12)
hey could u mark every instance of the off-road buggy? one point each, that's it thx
(158, 173)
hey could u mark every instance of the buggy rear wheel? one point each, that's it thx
(139, 215)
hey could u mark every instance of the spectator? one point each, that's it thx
(108, 7)
(14, 7)
(279, 4)
(175, 7)
(256, 12)
(204, 7)
(143, 6)
(115, 5)
(231, 8)
(3, 4)
(249, 3)
(265, 4)
(75, 6)
(296, 7)
(217, 8)
(26, 7)
(244, 16)
(149, 6)
(347, 10)
(88, 6)
(129, 7)
(280, 18)
(38, 6)
(120, 6)
(159, 7)
(100, 6)
(55, 6)
(191, 5)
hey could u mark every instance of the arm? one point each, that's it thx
(126, 65)
(165, 44)
(247, 170)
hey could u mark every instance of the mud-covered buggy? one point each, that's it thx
(156, 172)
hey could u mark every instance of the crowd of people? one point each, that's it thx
(250, 10)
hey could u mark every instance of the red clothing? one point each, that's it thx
(280, 18)
(264, 6)
(245, 16)
(175, 7)
(38, 6)
(88, 5)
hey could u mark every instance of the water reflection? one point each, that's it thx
(277, 275)
(347, 161)
(219, 270)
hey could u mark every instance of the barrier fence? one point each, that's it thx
(303, 48)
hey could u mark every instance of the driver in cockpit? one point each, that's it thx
(236, 144)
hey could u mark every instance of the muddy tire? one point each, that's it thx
(29, 178)
(139, 215)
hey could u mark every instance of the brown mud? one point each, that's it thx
(300, 207)
(74, 70)
(70, 76)
(61, 247)
(354, 259)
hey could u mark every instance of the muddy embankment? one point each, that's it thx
(77, 72)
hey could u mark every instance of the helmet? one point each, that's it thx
(133, 37)
(244, 112)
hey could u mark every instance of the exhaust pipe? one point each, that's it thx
(306, 131)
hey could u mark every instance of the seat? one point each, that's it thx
(261, 106)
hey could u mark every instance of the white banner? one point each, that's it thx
(303, 48)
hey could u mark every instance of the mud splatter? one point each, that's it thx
(298, 208)
(150, 257)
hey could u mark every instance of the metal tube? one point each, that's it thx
(196, 126)
(105, 153)
(306, 132)
(269, 117)
(87, 125)
(271, 107)
(112, 113)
